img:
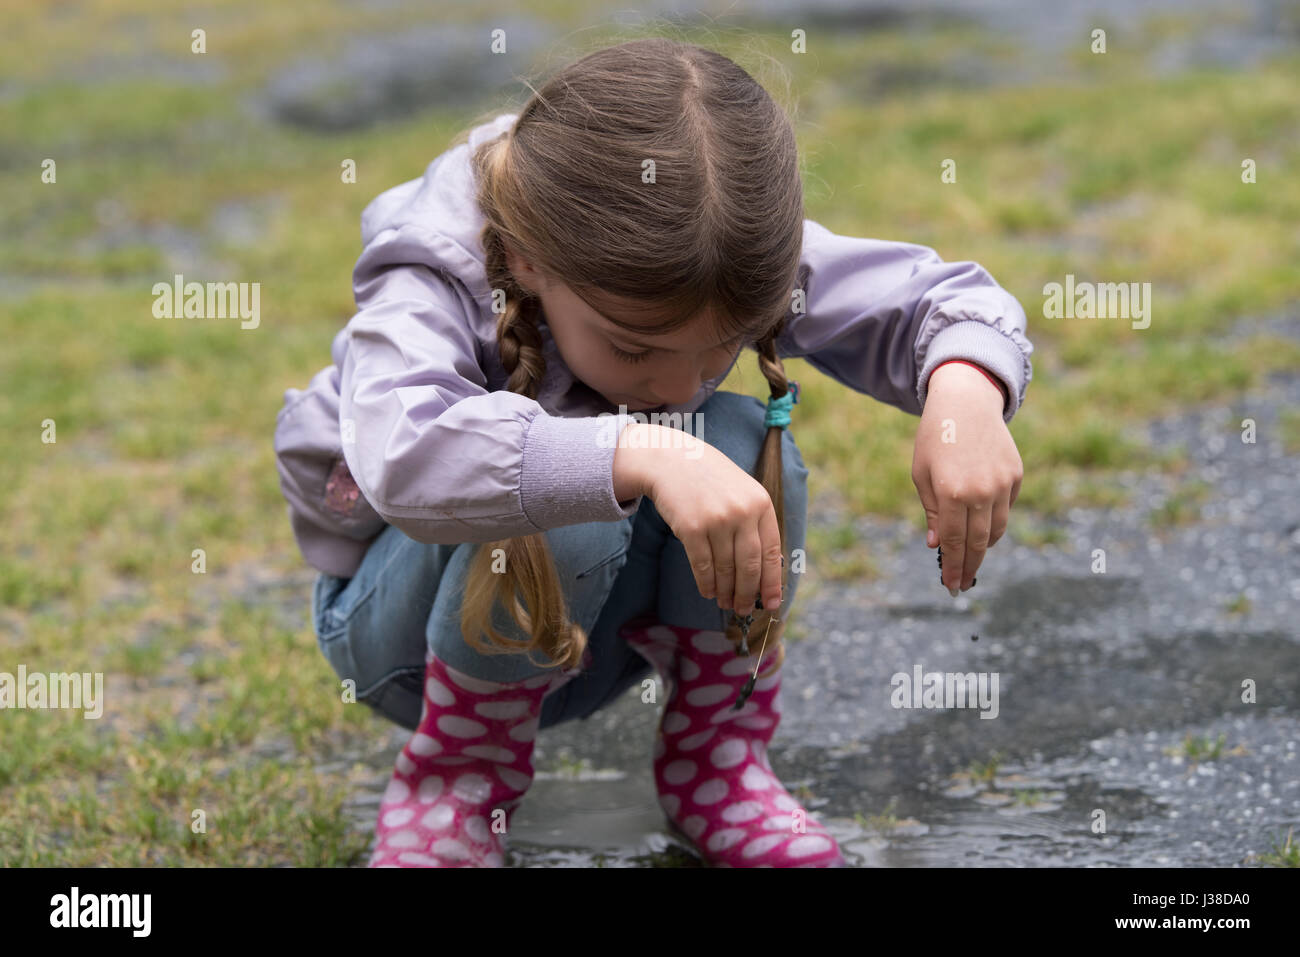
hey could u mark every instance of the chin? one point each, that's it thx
(632, 406)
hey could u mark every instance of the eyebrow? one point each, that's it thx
(629, 340)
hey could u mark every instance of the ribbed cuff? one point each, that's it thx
(984, 345)
(567, 476)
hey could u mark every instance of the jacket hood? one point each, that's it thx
(442, 209)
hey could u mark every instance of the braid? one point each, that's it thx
(529, 565)
(769, 363)
(518, 339)
(769, 471)
(521, 348)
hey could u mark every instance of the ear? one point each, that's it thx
(521, 269)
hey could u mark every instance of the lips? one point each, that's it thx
(635, 405)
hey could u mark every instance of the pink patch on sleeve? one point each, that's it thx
(341, 493)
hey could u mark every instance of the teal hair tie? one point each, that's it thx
(778, 410)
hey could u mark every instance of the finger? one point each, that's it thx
(1015, 491)
(952, 537)
(749, 568)
(773, 587)
(998, 524)
(700, 555)
(724, 566)
(928, 502)
(978, 520)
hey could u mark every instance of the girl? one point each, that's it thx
(504, 545)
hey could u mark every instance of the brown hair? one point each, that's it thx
(718, 231)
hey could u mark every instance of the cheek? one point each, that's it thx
(585, 358)
(723, 365)
(598, 361)
(597, 367)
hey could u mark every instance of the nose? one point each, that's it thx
(682, 383)
(675, 396)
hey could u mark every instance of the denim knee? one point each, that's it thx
(587, 558)
(396, 692)
(591, 549)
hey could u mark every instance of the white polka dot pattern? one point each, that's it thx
(423, 744)
(712, 772)
(693, 741)
(466, 768)
(398, 816)
(439, 693)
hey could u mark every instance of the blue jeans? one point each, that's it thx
(405, 598)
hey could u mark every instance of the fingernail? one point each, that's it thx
(954, 592)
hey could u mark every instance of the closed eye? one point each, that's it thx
(630, 356)
(633, 357)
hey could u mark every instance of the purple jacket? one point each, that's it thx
(411, 424)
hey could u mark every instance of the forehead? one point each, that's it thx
(694, 336)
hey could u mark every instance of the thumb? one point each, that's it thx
(931, 536)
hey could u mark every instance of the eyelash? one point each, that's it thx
(634, 357)
(631, 357)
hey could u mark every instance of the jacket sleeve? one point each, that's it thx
(432, 449)
(880, 316)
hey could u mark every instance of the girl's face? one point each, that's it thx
(639, 371)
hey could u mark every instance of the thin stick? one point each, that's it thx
(758, 663)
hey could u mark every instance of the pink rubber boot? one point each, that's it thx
(464, 771)
(711, 769)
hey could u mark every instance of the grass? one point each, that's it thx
(1290, 428)
(218, 698)
(1196, 748)
(1182, 507)
(1239, 605)
(838, 553)
(884, 822)
(1201, 748)
(985, 771)
(1285, 852)
(1022, 531)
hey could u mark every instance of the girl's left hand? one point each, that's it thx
(966, 469)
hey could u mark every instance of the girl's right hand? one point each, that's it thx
(720, 513)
